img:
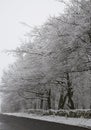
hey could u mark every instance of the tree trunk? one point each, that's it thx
(62, 101)
(41, 104)
(69, 93)
(49, 99)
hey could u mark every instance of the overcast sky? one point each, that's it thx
(12, 12)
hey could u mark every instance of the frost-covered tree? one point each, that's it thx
(56, 59)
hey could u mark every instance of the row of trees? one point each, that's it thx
(53, 68)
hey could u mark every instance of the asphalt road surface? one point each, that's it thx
(20, 123)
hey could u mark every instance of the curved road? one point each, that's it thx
(20, 123)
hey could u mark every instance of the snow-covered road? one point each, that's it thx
(9, 122)
(63, 120)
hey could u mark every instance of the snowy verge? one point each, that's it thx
(57, 119)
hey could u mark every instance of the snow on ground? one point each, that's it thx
(64, 120)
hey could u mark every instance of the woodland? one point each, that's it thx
(53, 65)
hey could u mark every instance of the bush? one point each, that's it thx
(78, 113)
(87, 114)
(50, 112)
(35, 111)
(70, 113)
(62, 113)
